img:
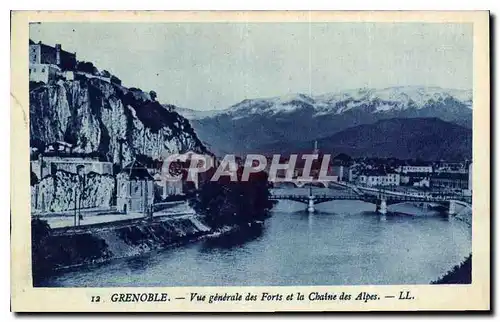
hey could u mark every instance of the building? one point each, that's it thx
(58, 147)
(47, 165)
(166, 188)
(48, 55)
(43, 73)
(373, 178)
(415, 168)
(415, 178)
(451, 167)
(47, 62)
(354, 172)
(135, 191)
(450, 181)
(172, 188)
(422, 183)
(341, 172)
(58, 156)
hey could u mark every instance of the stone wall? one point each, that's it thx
(60, 191)
(60, 249)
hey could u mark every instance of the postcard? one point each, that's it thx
(250, 161)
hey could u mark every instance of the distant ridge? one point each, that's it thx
(417, 138)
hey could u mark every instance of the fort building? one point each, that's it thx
(58, 156)
(46, 62)
(135, 190)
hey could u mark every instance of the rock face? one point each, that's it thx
(95, 116)
(57, 192)
(104, 121)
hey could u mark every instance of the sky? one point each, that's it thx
(206, 66)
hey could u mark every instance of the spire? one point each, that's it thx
(316, 150)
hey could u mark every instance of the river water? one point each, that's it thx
(344, 242)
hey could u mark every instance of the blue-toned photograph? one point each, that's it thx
(250, 154)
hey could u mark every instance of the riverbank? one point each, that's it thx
(62, 249)
(459, 274)
(295, 248)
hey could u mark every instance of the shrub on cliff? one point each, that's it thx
(87, 67)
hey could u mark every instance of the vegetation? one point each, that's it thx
(154, 116)
(35, 85)
(39, 232)
(459, 274)
(153, 95)
(229, 203)
(115, 80)
(86, 67)
(105, 73)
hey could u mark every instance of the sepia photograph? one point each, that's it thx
(254, 153)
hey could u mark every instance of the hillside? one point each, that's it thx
(423, 138)
(95, 115)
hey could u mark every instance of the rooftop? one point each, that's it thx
(137, 171)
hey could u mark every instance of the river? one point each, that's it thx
(344, 242)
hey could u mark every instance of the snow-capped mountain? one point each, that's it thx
(382, 100)
(191, 114)
(253, 123)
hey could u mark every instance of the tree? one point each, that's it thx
(86, 67)
(105, 73)
(115, 80)
(342, 158)
(224, 202)
(40, 230)
(153, 95)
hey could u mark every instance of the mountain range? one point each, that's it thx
(256, 125)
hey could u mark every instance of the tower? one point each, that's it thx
(58, 54)
(316, 150)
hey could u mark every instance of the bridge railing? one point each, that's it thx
(365, 197)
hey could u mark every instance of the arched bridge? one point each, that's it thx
(301, 184)
(390, 199)
(381, 200)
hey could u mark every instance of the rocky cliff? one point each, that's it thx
(57, 192)
(95, 116)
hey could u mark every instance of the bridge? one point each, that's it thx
(380, 199)
(301, 184)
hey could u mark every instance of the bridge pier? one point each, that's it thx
(452, 209)
(382, 209)
(310, 204)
